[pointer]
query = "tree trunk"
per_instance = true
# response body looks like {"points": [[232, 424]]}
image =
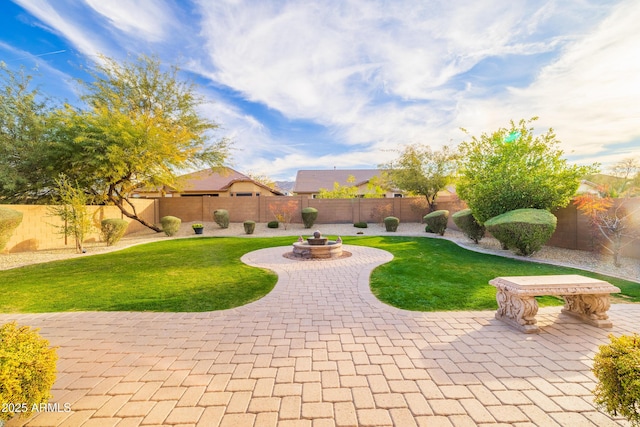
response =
{"points": [[132, 215]]}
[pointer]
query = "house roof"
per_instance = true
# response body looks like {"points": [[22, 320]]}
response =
{"points": [[311, 181], [218, 179]]}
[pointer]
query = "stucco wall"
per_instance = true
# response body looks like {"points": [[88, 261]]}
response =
{"points": [[38, 231]]}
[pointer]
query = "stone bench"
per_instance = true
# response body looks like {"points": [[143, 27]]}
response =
{"points": [[584, 298]]}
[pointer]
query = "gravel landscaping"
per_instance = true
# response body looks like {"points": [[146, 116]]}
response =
{"points": [[629, 270]]}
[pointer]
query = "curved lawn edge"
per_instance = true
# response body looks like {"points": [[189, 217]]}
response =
{"points": [[425, 275], [440, 275]]}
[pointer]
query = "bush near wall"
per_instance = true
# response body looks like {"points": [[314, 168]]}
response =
{"points": [[113, 229], [437, 221], [170, 224], [9, 221], [221, 217], [391, 223], [27, 370], [309, 216], [525, 230], [249, 226], [468, 224]]}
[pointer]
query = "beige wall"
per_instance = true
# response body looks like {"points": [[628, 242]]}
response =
{"points": [[38, 231], [261, 209], [573, 230]]}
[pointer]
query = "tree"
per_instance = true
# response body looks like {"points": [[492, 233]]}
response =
{"points": [[423, 171], [71, 207], [283, 211], [350, 191], [611, 220], [627, 171], [140, 126], [513, 169], [263, 179], [23, 139]]}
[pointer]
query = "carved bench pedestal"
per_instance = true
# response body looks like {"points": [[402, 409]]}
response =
{"points": [[585, 298]]}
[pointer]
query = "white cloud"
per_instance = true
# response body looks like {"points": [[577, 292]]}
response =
{"points": [[589, 95], [150, 19], [376, 74], [84, 40]]}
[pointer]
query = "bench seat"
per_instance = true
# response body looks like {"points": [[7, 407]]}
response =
{"points": [[584, 298]]}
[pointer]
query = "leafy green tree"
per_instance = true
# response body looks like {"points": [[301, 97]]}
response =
{"points": [[423, 171], [24, 112], [140, 127], [513, 169]]}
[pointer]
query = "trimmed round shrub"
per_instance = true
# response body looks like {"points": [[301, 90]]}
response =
{"points": [[249, 226], [468, 224], [437, 221], [27, 370], [360, 224], [9, 220], [309, 216], [113, 229], [273, 224], [525, 230], [170, 225], [221, 217], [617, 369], [391, 223]]}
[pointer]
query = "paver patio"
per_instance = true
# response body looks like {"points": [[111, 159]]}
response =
{"points": [[321, 350]]}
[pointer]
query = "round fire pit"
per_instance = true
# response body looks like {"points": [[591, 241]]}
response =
{"points": [[317, 247]]}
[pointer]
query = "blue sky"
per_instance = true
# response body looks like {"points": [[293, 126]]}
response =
{"points": [[313, 85]]}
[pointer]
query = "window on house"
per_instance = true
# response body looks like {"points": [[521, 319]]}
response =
{"points": [[244, 194]]}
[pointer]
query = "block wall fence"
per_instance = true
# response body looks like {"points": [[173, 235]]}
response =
{"points": [[39, 228], [36, 233]]}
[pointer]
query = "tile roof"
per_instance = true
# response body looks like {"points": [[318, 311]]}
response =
{"points": [[311, 181], [217, 179]]}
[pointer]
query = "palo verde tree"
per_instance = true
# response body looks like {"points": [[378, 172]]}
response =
{"points": [[514, 169], [422, 171], [140, 125], [24, 139], [70, 205], [374, 189]]}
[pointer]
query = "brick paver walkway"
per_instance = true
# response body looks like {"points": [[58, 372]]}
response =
{"points": [[320, 350]]}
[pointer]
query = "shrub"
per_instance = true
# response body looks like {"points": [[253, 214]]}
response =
{"points": [[170, 225], [221, 217], [9, 221], [27, 369], [526, 230], [273, 224], [309, 216], [360, 224], [437, 221], [617, 369], [391, 223], [113, 229], [467, 223], [249, 226]]}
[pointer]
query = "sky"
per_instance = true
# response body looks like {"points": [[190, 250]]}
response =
{"points": [[347, 83]]}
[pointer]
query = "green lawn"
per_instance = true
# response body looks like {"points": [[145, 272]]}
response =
{"points": [[435, 274], [205, 274]]}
